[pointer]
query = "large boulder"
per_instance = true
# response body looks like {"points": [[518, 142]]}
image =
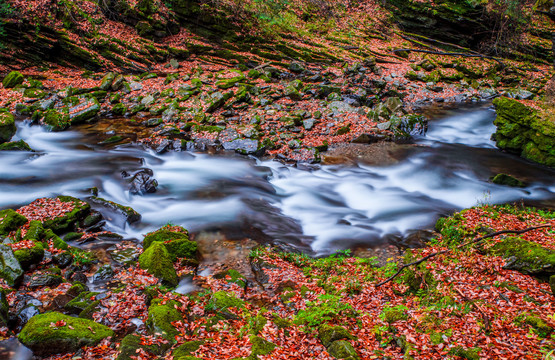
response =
{"points": [[157, 261], [77, 210], [10, 269], [7, 126], [160, 316], [10, 221], [13, 79], [53, 333]]}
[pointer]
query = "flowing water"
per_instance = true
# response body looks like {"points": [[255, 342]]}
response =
{"points": [[320, 209]]}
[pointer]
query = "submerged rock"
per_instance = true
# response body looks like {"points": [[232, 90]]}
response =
{"points": [[53, 333], [508, 180]]}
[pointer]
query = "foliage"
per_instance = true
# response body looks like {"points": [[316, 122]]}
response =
{"points": [[325, 309]]}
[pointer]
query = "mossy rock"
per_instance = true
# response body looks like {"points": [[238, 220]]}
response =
{"points": [[88, 312], [182, 248], [35, 232], [107, 81], [34, 93], [81, 302], [19, 145], [29, 256], [128, 212], [162, 236], [258, 324], [132, 342], [328, 334], [119, 109], [157, 261], [525, 256], [221, 301], [13, 79], [232, 276], [184, 351], [44, 339], [342, 349], [10, 220], [508, 180], [466, 353], [419, 276], [70, 220], [76, 289], [260, 346], [57, 242], [7, 126], [10, 269], [540, 327], [161, 314], [57, 121]]}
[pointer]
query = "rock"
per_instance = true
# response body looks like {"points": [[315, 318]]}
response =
{"points": [[174, 63], [105, 272], [328, 334], [25, 314], [117, 84], [45, 279], [67, 335], [57, 121], [157, 261], [393, 104], [341, 107], [30, 256], [7, 126], [520, 94], [84, 111], [243, 146], [508, 180], [19, 145], [135, 86], [296, 67], [128, 212], [231, 82], [10, 269], [163, 235], [63, 259], [132, 342], [260, 346], [217, 100], [10, 220], [525, 256], [384, 126], [126, 256], [13, 79], [342, 349], [160, 317], [82, 301], [147, 100], [308, 124], [186, 349], [552, 283], [221, 301], [292, 93], [70, 220], [107, 81], [4, 308], [143, 183], [334, 97]]}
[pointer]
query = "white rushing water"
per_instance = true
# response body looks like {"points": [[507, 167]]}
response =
{"points": [[333, 207]]}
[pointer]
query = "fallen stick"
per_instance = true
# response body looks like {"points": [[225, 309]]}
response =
{"points": [[476, 240]]}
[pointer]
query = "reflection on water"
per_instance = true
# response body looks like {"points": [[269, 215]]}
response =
{"points": [[333, 207]]}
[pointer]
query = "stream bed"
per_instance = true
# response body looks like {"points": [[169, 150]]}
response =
{"points": [[318, 209]]}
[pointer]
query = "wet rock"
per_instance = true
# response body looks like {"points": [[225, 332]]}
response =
{"points": [[30, 256], [10, 269], [127, 256], [107, 81], [44, 339], [143, 183], [4, 309], [507, 180], [10, 220], [84, 111], [70, 220], [25, 314], [83, 300], [128, 212], [157, 261], [520, 94], [105, 272], [94, 218], [62, 260], [160, 317], [342, 349], [7, 126], [19, 145], [45, 279]]}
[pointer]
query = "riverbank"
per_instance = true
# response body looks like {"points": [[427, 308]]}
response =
{"points": [[485, 300]]}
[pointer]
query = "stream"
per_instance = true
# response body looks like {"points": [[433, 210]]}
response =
{"points": [[318, 209]]}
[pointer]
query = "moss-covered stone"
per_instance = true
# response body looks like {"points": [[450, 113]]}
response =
{"points": [[34, 93], [157, 261], [119, 109], [130, 214], [76, 289], [35, 232], [540, 327], [342, 349], [260, 346], [525, 256], [68, 334], [7, 126], [508, 180], [10, 269], [162, 236], [222, 300], [70, 220], [107, 81], [232, 276], [56, 120], [19, 145], [161, 314], [10, 220], [132, 342], [182, 248], [328, 334], [466, 353], [29, 256], [184, 351], [81, 302], [13, 79]]}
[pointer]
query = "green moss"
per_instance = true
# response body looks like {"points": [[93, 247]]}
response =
{"points": [[57, 121], [10, 221], [88, 312], [29, 256], [81, 302], [19, 145], [76, 289], [328, 334], [342, 349], [163, 235], [186, 349], [222, 300], [44, 339], [260, 346], [540, 327], [13, 79], [69, 220], [468, 353], [130, 213], [233, 276], [35, 231], [182, 248], [161, 314], [393, 314], [157, 261], [119, 109], [132, 342], [526, 257], [7, 126], [258, 324]]}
